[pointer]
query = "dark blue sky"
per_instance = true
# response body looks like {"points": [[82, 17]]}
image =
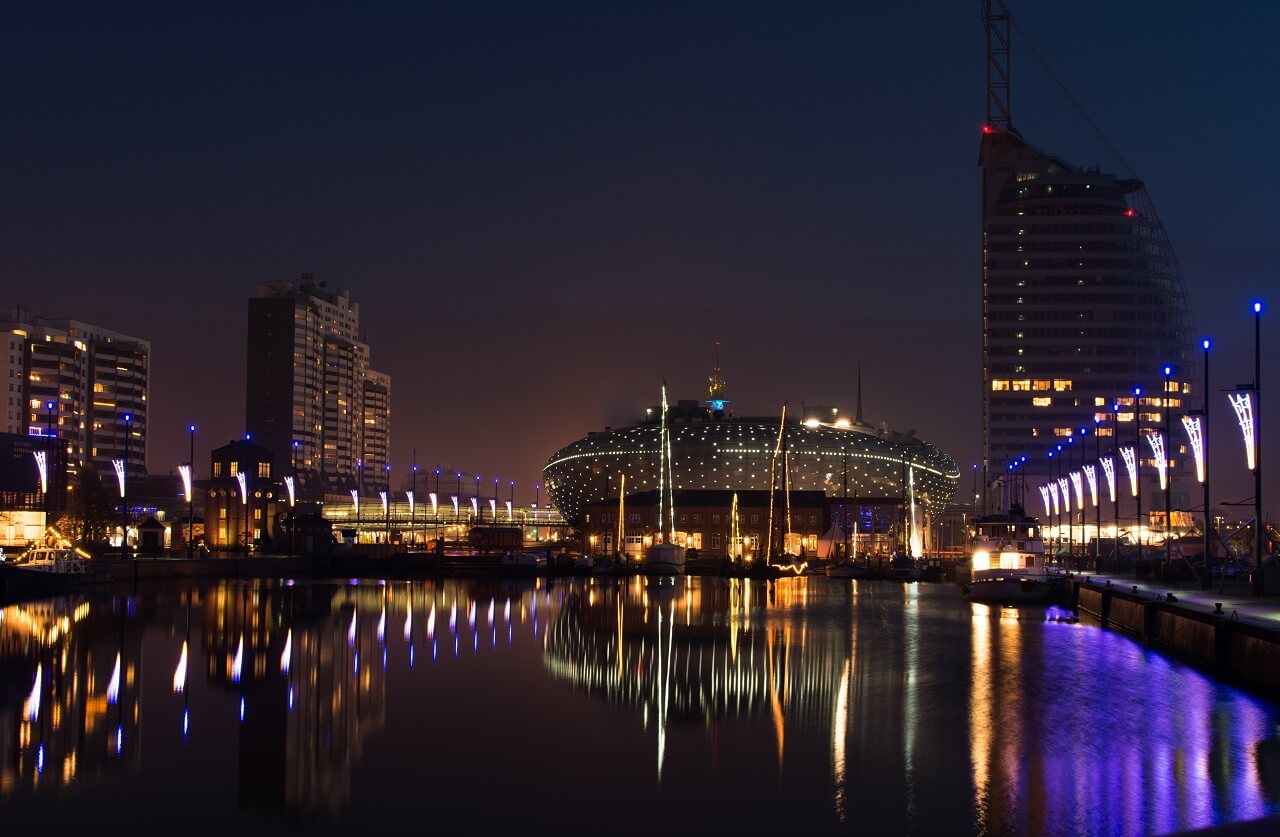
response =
{"points": [[545, 209]]}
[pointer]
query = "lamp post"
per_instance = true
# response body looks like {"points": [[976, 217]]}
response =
{"points": [[414, 491], [124, 487], [457, 506], [537, 497], [51, 467], [1137, 456], [1071, 511], [293, 515], [1168, 480], [1097, 504], [360, 492], [477, 508], [191, 506], [1115, 495], [386, 482], [1205, 580], [1057, 514], [511, 503], [1258, 529]]}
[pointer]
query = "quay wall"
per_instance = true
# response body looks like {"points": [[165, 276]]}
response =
{"points": [[1229, 648]]}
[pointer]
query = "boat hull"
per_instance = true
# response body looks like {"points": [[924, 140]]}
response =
{"points": [[1011, 590], [17, 579], [664, 559]]}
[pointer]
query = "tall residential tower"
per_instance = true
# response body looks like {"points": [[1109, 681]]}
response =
{"points": [[309, 383], [1082, 296]]}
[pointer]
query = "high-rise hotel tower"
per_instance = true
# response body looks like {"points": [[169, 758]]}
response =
{"points": [[309, 383], [1082, 297]]}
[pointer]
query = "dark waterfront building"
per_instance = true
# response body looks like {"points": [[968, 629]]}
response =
{"points": [[713, 450], [704, 521], [243, 500], [309, 381], [1082, 296]]}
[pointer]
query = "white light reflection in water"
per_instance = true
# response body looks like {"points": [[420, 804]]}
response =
{"points": [[180, 673], [408, 621], [237, 664], [351, 629], [113, 685], [382, 626], [286, 656], [31, 707], [431, 622]]}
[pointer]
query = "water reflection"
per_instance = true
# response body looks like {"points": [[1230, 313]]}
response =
{"points": [[834, 705]]}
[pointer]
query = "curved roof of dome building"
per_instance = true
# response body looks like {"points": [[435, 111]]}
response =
{"points": [[711, 450]]}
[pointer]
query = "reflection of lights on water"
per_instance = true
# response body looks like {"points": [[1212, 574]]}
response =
{"points": [[180, 673], [40, 760], [119, 740], [382, 626], [453, 617], [431, 622], [113, 685], [31, 709], [506, 611], [384, 659], [471, 615], [290, 696], [237, 664], [490, 611], [355, 663], [242, 709], [286, 656], [408, 622], [410, 656], [351, 629], [186, 723]]}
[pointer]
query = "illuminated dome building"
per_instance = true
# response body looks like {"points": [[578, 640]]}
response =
{"points": [[714, 450]]}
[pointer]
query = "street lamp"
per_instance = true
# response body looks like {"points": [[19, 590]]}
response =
{"points": [[1137, 453], [1165, 476], [124, 486], [1258, 530], [191, 507]]}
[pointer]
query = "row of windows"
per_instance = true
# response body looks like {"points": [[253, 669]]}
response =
{"points": [[1136, 265], [1063, 229], [1113, 350], [1152, 335], [1085, 299], [1164, 284]]}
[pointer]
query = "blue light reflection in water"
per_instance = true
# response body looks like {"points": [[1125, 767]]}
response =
{"points": [[807, 705]]}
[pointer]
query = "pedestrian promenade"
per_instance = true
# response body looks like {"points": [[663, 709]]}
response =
{"points": [[1236, 597]]}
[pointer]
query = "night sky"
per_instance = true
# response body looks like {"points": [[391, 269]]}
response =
{"points": [[544, 209]]}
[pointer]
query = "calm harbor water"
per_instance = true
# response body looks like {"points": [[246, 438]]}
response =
{"points": [[807, 705]]}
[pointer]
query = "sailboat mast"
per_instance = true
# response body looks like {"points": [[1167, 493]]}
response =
{"points": [[622, 493], [773, 482], [662, 463]]}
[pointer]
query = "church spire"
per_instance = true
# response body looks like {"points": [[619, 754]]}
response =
{"points": [[715, 386]]}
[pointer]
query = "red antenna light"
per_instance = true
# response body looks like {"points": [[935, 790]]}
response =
{"points": [[987, 129], [1129, 213]]}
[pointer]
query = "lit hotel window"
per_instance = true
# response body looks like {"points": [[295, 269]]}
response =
{"points": [[1022, 386], [1062, 431], [1042, 401], [999, 386], [1061, 385]]}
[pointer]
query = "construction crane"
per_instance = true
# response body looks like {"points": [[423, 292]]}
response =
{"points": [[996, 17]]}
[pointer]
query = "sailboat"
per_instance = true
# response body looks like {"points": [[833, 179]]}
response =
{"points": [[665, 557]]}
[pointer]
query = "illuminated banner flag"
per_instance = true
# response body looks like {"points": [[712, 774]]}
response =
{"points": [[455, 505], [1243, 406], [1053, 492], [355, 500], [1077, 484], [1091, 476], [475, 507], [42, 465], [509, 516], [1130, 457], [434, 507], [409, 495], [289, 487], [385, 507], [1162, 462], [185, 472], [1066, 493], [493, 508], [119, 466], [1109, 468], [1044, 493], [1195, 435], [244, 488]]}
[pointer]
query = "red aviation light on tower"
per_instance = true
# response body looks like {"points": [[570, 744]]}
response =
{"points": [[1129, 213], [987, 129]]}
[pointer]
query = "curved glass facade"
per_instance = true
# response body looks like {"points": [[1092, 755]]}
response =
{"points": [[734, 454]]}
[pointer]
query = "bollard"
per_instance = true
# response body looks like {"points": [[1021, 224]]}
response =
{"points": [[1217, 609], [1135, 588], [1169, 597]]}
